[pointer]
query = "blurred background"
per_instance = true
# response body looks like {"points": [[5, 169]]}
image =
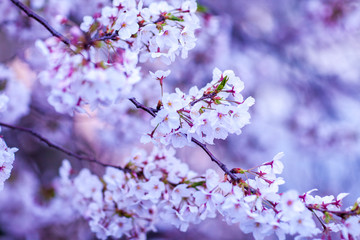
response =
{"points": [[298, 59]]}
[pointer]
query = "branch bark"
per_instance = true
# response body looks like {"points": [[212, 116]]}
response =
{"points": [[41, 20], [341, 214], [150, 111], [113, 36], [208, 96], [59, 148]]}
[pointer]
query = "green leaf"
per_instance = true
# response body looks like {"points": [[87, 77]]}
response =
{"points": [[217, 101], [174, 18], [222, 84], [197, 184], [328, 217], [355, 207], [202, 8]]}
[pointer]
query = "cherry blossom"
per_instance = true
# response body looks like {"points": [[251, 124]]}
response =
{"points": [[104, 53], [204, 114], [7, 158]]}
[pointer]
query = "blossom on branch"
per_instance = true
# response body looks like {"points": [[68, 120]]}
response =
{"points": [[210, 113], [7, 158]]}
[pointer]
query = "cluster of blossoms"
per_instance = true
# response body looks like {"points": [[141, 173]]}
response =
{"points": [[6, 154], [162, 30], [206, 114], [327, 209], [15, 97], [159, 188], [78, 80], [125, 203], [99, 68], [6, 161]]}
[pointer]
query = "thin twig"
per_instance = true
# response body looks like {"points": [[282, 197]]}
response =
{"points": [[341, 214], [214, 159], [112, 36], [320, 220], [59, 148], [201, 145], [151, 111], [41, 20], [207, 96]]}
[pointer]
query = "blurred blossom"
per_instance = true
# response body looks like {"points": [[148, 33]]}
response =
{"points": [[298, 59]]}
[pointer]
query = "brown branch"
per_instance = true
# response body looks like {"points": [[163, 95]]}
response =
{"points": [[41, 20], [341, 214], [319, 219], [59, 148], [112, 36], [205, 96], [152, 112], [214, 159]]}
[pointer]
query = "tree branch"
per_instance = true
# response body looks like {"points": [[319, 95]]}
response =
{"points": [[150, 111], [201, 145], [59, 148], [214, 159], [341, 214], [41, 20], [207, 96], [319, 219], [112, 36]]}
